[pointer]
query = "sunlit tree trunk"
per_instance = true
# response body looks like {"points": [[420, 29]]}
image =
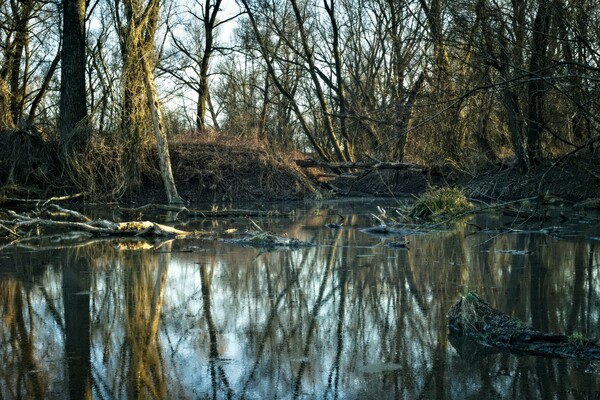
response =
{"points": [[162, 145], [141, 109]]}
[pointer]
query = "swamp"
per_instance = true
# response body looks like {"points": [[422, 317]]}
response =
{"points": [[355, 315], [299, 199]]}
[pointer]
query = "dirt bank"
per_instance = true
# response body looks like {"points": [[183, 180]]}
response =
{"points": [[225, 169], [220, 168], [574, 180]]}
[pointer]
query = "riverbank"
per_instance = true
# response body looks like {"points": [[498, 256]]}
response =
{"points": [[225, 169]]}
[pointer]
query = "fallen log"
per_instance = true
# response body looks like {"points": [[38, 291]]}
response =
{"points": [[472, 316], [18, 222], [361, 165]]}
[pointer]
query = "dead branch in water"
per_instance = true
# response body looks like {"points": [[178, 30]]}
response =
{"points": [[21, 225], [474, 317]]}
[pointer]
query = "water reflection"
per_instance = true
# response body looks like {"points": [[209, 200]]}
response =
{"points": [[77, 323], [350, 318]]}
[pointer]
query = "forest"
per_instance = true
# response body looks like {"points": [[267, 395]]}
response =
{"points": [[105, 97]]}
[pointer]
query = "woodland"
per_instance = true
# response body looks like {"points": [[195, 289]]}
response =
{"points": [[114, 98]]}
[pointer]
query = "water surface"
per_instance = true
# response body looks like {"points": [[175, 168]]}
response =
{"points": [[349, 318]]}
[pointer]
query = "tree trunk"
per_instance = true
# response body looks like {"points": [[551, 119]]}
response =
{"points": [[161, 136], [515, 127], [210, 22], [73, 110], [406, 116], [535, 89], [340, 86], [312, 70]]}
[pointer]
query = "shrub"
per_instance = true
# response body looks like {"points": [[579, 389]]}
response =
{"points": [[440, 203]]}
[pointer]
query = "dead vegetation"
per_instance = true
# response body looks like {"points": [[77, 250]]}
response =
{"points": [[207, 166], [27, 163], [96, 165], [220, 167], [225, 168]]}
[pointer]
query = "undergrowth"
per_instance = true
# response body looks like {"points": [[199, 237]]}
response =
{"points": [[439, 203]]}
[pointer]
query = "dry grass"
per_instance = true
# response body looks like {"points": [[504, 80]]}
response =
{"points": [[440, 203], [219, 167], [96, 166]]}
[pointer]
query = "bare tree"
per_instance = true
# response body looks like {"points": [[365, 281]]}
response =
{"points": [[13, 68], [199, 53], [140, 102]]}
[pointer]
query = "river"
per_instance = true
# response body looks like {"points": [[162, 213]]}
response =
{"points": [[348, 318]]}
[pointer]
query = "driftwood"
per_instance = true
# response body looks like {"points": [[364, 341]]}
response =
{"points": [[16, 224], [474, 317]]}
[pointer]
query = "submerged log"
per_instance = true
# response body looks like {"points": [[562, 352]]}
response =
{"points": [[270, 241], [474, 317]]}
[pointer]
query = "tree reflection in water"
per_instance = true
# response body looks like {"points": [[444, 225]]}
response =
{"points": [[350, 318]]}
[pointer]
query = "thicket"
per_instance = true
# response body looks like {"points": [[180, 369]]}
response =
{"points": [[469, 83]]}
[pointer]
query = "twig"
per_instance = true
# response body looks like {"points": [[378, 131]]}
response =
{"points": [[381, 221], [44, 201], [61, 198], [12, 232], [255, 224], [72, 213]]}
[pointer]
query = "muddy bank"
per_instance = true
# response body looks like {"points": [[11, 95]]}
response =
{"points": [[223, 172], [221, 168], [575, 180]]}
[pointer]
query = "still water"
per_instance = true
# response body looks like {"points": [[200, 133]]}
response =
{"points": [[349, 318]]}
